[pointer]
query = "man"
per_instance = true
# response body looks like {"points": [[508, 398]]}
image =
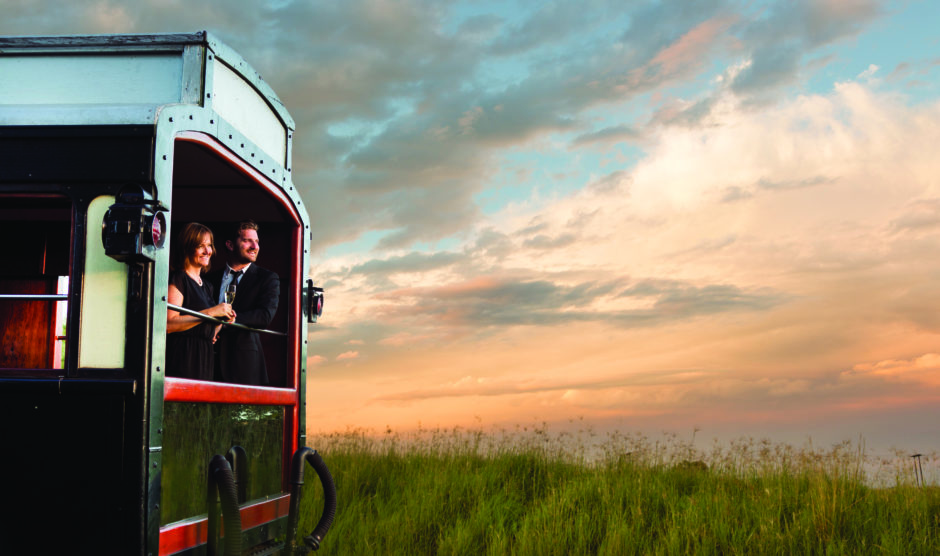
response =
{"points": [[240, 357]]}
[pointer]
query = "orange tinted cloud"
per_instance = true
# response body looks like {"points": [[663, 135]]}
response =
{"points": [[689, 49], [924, 370]]}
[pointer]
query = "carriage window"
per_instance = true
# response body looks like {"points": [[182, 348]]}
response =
{"points": [[34, 282]]}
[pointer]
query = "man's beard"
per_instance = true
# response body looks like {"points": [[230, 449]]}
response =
{"points": [[243, 259]]}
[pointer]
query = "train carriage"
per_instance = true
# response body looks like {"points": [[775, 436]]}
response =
{"points": [[107, 145]]}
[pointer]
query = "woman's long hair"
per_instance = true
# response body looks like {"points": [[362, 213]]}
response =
{"points": [[187, 241]]}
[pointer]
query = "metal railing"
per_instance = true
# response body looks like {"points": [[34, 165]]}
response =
{"points": [[35, 296], [203, 316], [214, 320]]}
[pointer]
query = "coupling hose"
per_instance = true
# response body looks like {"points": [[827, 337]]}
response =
{"points": [[222, 481], [313, 540]]}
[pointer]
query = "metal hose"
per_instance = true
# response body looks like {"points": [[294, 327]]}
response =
{"points": [[221, 481], [313, 540], [238, 459]]}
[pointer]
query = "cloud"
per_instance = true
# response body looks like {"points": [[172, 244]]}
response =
{"points": [[617, 181], [487, 301], [657, 391], [412, 262], [347, 355], [779, 42], [607, 135], [682, 56], [776, 185], [684, 113], [486, 386], [869, 73], [548, 26], [811, 23], [769, 68], [401, 339], [491, 243], [924, 370], [545, 242], [921, 216]]}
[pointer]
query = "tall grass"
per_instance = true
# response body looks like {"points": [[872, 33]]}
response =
{"points": [[531, 492]]}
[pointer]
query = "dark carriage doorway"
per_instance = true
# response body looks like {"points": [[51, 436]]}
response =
{"points": [[214, 188]]}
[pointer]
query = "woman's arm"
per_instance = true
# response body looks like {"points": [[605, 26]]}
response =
{"points": [[177, 322]]}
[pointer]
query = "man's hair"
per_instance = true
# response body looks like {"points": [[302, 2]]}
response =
{"points": [[187, 241], [235, 230]]}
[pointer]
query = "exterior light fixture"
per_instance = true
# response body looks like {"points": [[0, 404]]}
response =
{"points": [[132, 224]]}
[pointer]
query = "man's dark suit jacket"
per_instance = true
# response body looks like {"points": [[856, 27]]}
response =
{"points": [[239, 355]]}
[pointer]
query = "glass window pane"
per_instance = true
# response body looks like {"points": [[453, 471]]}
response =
{"points": [[61, 320], [195, 432]]}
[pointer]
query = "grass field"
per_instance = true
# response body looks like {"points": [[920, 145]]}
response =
{"points": [[531, 492]]}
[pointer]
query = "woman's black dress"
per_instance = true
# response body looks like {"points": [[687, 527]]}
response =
{"points": [[189, 353]]}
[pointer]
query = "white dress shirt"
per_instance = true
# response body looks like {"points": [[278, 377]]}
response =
{"points": [[227, 279]]}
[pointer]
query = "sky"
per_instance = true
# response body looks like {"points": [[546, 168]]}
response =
{"points": [[716, 216]]}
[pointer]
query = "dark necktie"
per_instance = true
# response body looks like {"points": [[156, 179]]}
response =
{"points": [[236, 274]]}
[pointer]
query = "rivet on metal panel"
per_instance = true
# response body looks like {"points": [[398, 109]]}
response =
{"points": [[164, 157], [210, 56], [171, 118], [211, 121], [208, 95], [190, 116], [243, 145], [158, 369]]}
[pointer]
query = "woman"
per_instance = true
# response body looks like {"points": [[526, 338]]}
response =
{"points": [[189, 339]]}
